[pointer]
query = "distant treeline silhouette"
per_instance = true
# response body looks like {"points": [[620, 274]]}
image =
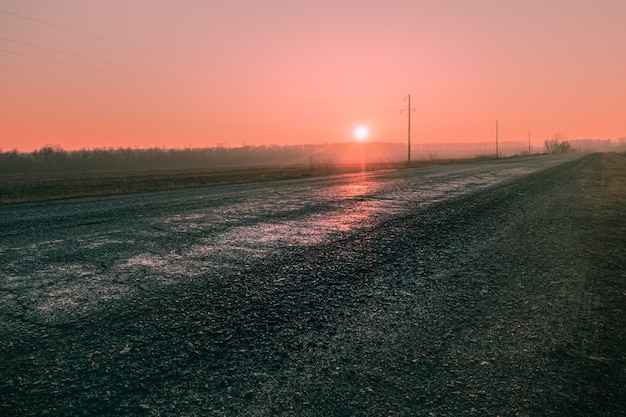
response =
{"points": [[52, 158]]}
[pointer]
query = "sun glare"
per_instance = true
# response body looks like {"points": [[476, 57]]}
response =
{"points": [[361, 133]]}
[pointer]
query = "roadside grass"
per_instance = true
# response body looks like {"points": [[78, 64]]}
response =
{"points": [[603, 230], [30, 187]]}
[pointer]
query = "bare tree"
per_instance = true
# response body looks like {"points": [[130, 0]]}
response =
{"points": [[558, 144]]}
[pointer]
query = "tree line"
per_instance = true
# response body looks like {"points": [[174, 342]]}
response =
{"points": [[53, 158]]}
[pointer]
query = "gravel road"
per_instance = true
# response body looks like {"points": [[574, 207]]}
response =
{"points": [[490, 288]]}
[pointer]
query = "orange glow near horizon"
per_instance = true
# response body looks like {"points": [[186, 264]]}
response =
{"points": [[153, 74]]}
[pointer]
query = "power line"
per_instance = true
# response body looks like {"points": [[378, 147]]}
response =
{"points": [[153, 52], [408, 110], [121, 65], [266, 97], [76, 65], [497, 138], [95, 59], [101, 38]]}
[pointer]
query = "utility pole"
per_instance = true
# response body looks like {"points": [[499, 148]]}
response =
{"points": [[496, 138], [408, 109], [529, 142]]}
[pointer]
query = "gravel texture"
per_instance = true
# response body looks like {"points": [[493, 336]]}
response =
{"points": [[504, 301]]}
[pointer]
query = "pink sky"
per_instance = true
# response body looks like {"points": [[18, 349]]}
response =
{"points": [[143, 73]]}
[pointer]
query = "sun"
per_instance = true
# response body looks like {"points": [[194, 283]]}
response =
{"points": [[361, 133]]}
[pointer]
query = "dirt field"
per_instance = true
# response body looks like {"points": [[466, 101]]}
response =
{"points": [[509, 301], [56, 185]]}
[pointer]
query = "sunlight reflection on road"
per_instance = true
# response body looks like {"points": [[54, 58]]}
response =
{"points": [[341, 208], [267, 223]]}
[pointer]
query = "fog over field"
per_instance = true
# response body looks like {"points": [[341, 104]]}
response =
{"points": [[53, 158]]}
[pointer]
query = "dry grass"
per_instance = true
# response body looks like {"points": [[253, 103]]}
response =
{"points": [[48, 186], [30, 187]]}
